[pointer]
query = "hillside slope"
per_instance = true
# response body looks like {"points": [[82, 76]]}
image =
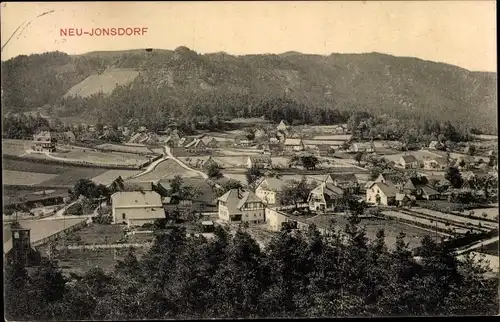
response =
{"points": [[182, 79]]}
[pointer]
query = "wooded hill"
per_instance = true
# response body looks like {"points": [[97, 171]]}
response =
{"points": [[182, 83]]}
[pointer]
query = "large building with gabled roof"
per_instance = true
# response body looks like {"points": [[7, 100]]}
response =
{"points": [[238, 205]]}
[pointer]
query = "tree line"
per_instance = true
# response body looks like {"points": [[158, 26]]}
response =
{"points": [[298, 274]]}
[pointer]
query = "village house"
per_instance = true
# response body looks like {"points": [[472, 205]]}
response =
{"points": [[367, 147], [325, 150], [238, 205], [259, 133], [404, 200], [173, 140], [136, 207], [439, 182], [294, 145], [259, 161], [346, 181], [420, 188], [196, 145], [44, 141], [382, 193], [438, 163], [282, 126], [435, 145], [408, 162], [268, 188], [325, 197], [210, 142]]}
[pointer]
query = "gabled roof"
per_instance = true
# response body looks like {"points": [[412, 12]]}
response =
{"points": [[418, 181], [282, 125], [429, 191], [136, 199], [387, 188], [195, 143], [273, 184], [409, 158], [328, 189], [293, 142], [342, 177], [237, 198]]}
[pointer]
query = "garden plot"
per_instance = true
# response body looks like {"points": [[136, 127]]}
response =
{"points": [[391, 228], [232, 162], [96, 234]]}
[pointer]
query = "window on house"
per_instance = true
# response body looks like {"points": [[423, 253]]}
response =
{"points": [[124, 216]]}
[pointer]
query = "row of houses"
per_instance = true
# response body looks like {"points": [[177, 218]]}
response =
{"points": [[437, 163]]}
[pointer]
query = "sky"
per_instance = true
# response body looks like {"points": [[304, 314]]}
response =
{"points": [[461, 33]]}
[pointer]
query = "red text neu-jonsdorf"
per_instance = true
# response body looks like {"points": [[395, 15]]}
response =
{"points": [[129, 31]]}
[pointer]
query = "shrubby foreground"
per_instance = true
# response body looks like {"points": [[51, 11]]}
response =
{"points": [[297, 274]]}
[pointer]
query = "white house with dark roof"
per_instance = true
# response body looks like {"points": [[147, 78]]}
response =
{"points": [[382, 193], [367, 147], [238, 205], [408, 161], [294, 145], [324, 197], [268, 189], [136, 207]]}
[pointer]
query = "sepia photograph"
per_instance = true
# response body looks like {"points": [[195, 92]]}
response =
{"points": [[249, 159]]}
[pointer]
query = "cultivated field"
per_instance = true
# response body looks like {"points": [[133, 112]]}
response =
{"points": [[25, 178], [15, 147], [108, 177], [232, 162], [91, 156], [32, 166], [167, 169], [128, 148]]}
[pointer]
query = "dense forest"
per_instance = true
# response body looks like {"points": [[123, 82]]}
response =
{"points": [[185, 86], [298, 274]]}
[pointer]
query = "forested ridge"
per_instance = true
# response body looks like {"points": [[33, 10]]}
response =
{"points": [[301, 88], [299, 274]]}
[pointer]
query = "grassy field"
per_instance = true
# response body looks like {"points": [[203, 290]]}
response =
{"points": [[31, 166], [237, 152], [232, 162], [167, 169], [15, 147], [105, 82], [108, 177], [25, 178], [70, 177]]}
